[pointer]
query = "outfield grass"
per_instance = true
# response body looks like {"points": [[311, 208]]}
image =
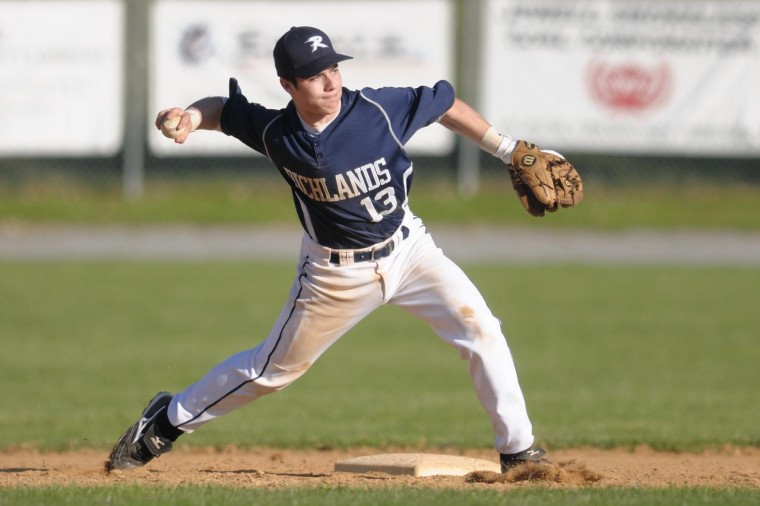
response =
{"points": [[263, 200], [608, 356]]}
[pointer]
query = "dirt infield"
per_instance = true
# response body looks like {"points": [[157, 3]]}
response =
{"points": [[275, 468]]}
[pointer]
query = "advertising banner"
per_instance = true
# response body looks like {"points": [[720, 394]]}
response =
{"points": [[630, 76], [61, 78], [197, 46]]}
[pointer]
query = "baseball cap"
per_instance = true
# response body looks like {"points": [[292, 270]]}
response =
{"points": [[305, 51]]}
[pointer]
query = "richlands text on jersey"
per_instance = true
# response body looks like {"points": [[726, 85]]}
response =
{"points": [[350, 184]]}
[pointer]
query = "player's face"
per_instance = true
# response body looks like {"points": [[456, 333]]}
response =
{"points": [[317, 97]]}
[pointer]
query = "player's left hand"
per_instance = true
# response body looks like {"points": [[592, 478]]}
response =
{"points": [[543, 179]]}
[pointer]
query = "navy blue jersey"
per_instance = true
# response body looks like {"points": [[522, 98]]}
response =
{"points": [[351, 181]]}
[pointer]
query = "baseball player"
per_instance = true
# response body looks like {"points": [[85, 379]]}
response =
{"points": [[342, 153]]}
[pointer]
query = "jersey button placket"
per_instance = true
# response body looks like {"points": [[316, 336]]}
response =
{"points": [[317, 152]]}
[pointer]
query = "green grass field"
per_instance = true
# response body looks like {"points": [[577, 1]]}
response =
{"points": [[660, 356], [640, 355], [657, 355], [197, 496], [217, 200]]}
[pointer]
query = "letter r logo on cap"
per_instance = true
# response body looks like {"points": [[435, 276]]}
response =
{"points": [[316, 42]]}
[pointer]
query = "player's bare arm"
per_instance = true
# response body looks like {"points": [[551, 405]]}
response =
{"points": [[465, 121], [177, 123]]}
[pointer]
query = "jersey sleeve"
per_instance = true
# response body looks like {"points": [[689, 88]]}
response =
{"points": [[246, 121], [410, 109]]}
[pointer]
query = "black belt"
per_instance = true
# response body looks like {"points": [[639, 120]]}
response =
{"points": [[373, 254]]}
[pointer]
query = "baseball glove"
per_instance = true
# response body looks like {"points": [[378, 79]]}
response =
{"points": [[543, 180]]}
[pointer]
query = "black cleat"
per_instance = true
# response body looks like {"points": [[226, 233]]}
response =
{"points": [[144, 441], [535, 455]]}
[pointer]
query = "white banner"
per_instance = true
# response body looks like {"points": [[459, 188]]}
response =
{"points": [[197, 46], [635, 76], [61, 74]]}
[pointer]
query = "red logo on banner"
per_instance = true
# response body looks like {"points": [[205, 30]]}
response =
{"points": [[629, 86]]}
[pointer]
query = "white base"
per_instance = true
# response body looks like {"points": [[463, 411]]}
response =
{"points": [[416, 464]]}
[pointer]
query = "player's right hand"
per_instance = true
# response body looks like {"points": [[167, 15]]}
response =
{"points": [[179, 131]]}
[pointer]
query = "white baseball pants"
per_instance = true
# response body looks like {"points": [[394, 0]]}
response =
{"points": [[326, 300]]}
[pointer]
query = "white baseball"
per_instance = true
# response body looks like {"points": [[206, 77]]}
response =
{"points": [[169, 127]]}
